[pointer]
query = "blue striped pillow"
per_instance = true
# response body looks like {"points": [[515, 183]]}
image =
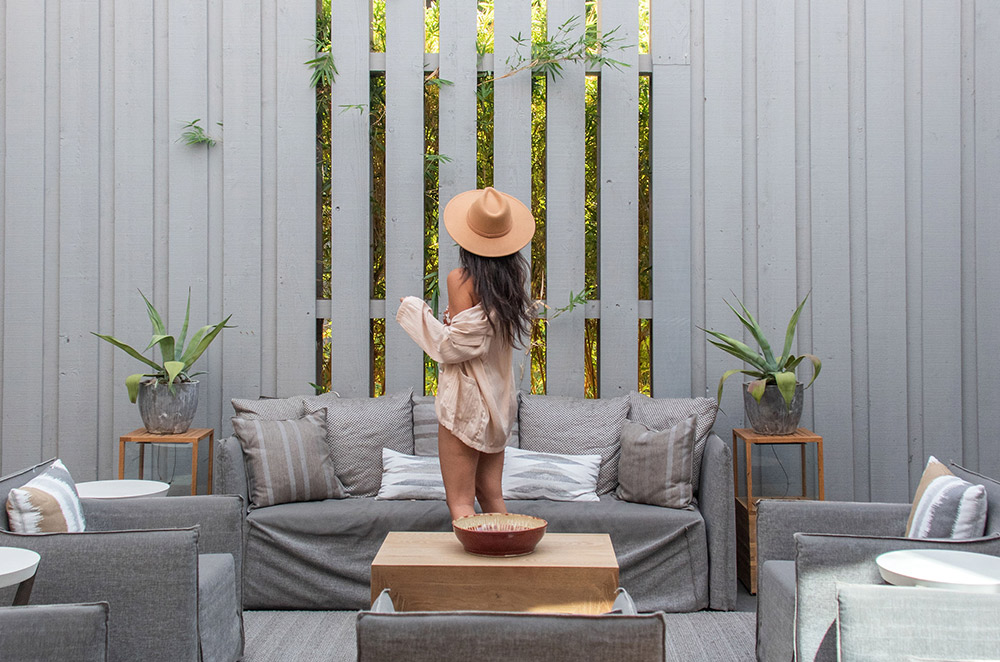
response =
{"points": [[949, 507]]}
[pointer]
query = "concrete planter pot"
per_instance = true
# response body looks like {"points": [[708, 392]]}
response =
{"points": [[771, 415], [164, 412]]}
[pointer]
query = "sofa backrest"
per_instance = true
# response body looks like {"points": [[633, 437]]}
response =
{"points": [[17, 479]]}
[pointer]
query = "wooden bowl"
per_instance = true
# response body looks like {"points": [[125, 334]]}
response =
{"points": [[499, 534]]}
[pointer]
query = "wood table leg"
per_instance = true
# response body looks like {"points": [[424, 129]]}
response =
{"points": [[142, 460], [121, 459], [194, 467], [211, 446]]}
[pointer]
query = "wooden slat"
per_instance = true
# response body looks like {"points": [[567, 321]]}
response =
{"points": [[830, 206], [79, 211], [619, 204], [886, 241], [269, 273], [723, 194], [241, 191], [296, 202], [970, 358], [565, 211], [404, 167], [350, 192], [217, 409], [456, 121], [941, 230], [670, 92], [105, 302], [512, 129], [987, 146], [24, 206], [48, 367]]}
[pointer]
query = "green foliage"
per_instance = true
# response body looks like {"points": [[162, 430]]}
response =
{"points": [[194, 134], [766, 369], [177, 359]]}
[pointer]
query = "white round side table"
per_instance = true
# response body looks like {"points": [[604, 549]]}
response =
{"points": [[17, 566], [121, 489], [941, 568]]}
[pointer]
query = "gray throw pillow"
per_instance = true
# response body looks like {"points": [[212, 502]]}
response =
{"points": [[287, 460], [655, 466], [425, 427], [575, 426], [357, 429], [665, 413], [270, 409]]}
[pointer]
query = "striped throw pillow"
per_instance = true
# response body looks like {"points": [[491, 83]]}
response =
{"points": [[946, 506], [48, 503], [655, 466], [288, 460], [410, 477], [664, 413], [532, 475]]}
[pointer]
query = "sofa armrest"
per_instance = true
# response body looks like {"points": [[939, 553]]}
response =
{"points": [[822, 561], [718, 506], [149, 578], [56, 632], [779, 520], [219, 516], [230, 474]]}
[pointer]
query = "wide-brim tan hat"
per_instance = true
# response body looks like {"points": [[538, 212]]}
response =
{"points": [[489, 223]]}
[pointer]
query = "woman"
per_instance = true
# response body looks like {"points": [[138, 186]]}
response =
{"points": [[488, 313]]}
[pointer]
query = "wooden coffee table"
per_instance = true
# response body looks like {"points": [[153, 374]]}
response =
{"points": [[572, 573]]}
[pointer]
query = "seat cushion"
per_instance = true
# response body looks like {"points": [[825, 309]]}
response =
{"points": [[220, 619], [776, 611]]}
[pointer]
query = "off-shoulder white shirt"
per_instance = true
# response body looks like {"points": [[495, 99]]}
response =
{"points": [[476, 398]]}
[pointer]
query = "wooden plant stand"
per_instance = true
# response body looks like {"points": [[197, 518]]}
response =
{"points": [[192, 436]]}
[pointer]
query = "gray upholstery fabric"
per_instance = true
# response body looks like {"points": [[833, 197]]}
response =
{"points": [[318, 555], [42, 633], [776, 615], [664, 413], [824, 560], [992, 495], [270, 409], [505, 636], [891, 623], [220, 618], [655, 466], [718, 508], [229, 475]]}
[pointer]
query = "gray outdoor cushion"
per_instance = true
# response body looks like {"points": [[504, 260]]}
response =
{"points": [[664, 413], [42, 633], [655, 465], [992, 494], [220, 618], [17, 479], [776, 613], [270, 409]]}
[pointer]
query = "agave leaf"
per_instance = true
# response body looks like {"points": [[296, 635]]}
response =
{"points": [[173, 369], [817, 366], [132, 384], [184, 328], [129, 350], [737, 348], [756, 388], [207, 335], [166, 344], [158, 328], [786, 384], [726, 375], [758, 333], [792, 363], [792, 323]]}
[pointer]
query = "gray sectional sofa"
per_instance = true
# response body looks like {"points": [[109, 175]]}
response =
{"points": [[317, 554]]}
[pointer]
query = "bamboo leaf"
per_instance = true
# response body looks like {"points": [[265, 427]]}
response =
{"points": [[132, 384], [786, 384], [792, 323], [128, 350]]}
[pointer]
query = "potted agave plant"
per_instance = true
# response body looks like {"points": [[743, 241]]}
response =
{"points": [[167, 394], [773, 400]]}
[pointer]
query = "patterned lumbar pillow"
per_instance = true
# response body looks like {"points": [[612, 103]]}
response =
{"points": [[425, 427], [554, 424], [270, 409], [288, 460], [945, 506], [48, 503], [357, 429], [664, 413], [410, 477], [532, 475], [655, 467]]}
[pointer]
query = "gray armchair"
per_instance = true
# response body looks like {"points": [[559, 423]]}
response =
{"points": [[55, 632], [806, 548], [170, 569]]}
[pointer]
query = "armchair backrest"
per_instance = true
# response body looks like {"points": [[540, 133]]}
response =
{"points": [[17, 479], [56, 632], [992, 495]]}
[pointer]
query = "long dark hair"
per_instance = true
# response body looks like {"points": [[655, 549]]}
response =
{"points": [[501, 285]]}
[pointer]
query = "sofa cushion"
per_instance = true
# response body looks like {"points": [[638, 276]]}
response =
{"points": [[575, 426], [287, 460], [357, 429], [945, 506], [48, 503], [220, 618], [410, 477], [992, 486], [425, 427], [531, 475], [664, 413], [655, 466], [270, 409]]}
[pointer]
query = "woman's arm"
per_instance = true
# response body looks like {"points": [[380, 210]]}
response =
{"points": [[461, 341]]}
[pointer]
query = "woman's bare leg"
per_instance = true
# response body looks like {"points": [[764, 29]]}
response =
{"points": [[488, 488], [458, 469]]}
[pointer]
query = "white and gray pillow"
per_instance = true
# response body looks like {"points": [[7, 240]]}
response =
{"points": [[947, 506], [533, 475], [270, 409], [287, 460], [664, 413], [425, 427], [410, 477], [575, 426], [48, 503], [655, 466], [357, 429]]}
